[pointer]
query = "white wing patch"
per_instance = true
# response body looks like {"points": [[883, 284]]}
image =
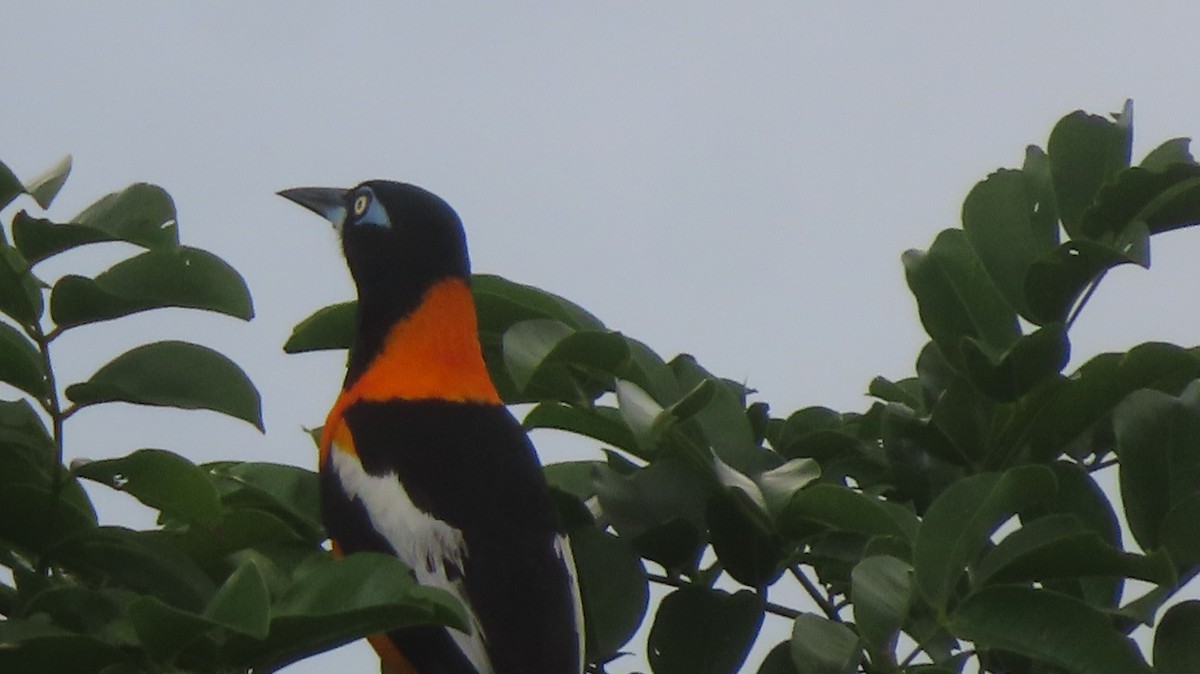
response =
{"points": [[432, 548], [562, 547]]}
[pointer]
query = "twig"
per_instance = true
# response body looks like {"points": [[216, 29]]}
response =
{"points": [[813, 591]]}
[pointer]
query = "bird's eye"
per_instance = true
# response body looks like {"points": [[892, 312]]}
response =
{"points": [[360, 204]]}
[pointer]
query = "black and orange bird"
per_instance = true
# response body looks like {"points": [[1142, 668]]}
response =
{"points": [[419, 458]]}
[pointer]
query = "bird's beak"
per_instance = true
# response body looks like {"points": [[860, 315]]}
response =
{"points": [[327, 202]]}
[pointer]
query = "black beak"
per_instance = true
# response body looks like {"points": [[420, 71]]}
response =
{"points": [[327, 202]]}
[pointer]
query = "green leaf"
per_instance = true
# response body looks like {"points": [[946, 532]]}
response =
{"points": [[780, 485], [1060, 546], [1077, 417], [547, 359], [141, 214], [35, 518], [778, 660], [173, 374], [703, 631], [1085, 152], [598, 422], [960, 520], [1053, 628], [955, 296], [1176, 649], [1000, 220], [10, 186], [501, 303], [1011, 374], [290, 492], [21, 364], [1173, 151], [20, 290], [242, 604], [139, 560], [1158, 443], [330, 327], [336, 601], [45, 187], [1162, 200], [172, 277], [880, 589], [821, 646], [62, 653], [612, 582], [745, 545], [841, 509], [164, 630], [160, 479]]}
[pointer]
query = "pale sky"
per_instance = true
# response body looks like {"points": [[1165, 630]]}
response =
{"points": [[733, 181]]}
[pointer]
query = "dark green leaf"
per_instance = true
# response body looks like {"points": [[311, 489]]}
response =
{"points": [[577, 478], [160, 479], [20, 290], [1085, 152], [999, 218], [330, 327], [138, 560], [21, 364], [1176, 648], [1158, 442], [821, 646], [141, 214], [955, 296], [242, 604], [10, 186], [173, 374], [45, 187], [958, 523], [576, 366], [880, 589], [599, 423], [1173, 151], [665, 491], [171, 277], [502, 303], [164, 630], [612, 582], [1055, 282], [59, 653], [1046, 626], [838, 508], [289, 492], [1162, 200], [35, 518], [720, 416], [749, 551], [1029, 362], [336, 601], [779, 660], [1060, 546], [703, 631]]}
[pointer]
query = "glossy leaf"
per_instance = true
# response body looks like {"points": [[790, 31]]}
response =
{"points": [[502, 303], [665, 493], [1176, 648], [330, 327], [1058, 630], [999, 218], [289, 492], [821, 646], [21, 364], [880, 589], [1158, 443], [1162, 200], [702, 631], [141, 214], [612, 582], [35, 518], [160, 479], [746, 546], [173, 374], [955, 296], [1029, 362], [164, 630], [172, 277], [1085, 152], [45, 186], [547, 359], [958, 523]]}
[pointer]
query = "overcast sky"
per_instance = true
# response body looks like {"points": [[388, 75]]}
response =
{"points": [[734, 180]]}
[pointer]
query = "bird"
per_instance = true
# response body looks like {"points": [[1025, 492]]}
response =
{"points": [[419, 458]]}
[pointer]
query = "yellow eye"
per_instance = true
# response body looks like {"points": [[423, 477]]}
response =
{"points": [[360, 204]]}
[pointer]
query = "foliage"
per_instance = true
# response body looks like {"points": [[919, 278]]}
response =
{"points": [[956, 524]]}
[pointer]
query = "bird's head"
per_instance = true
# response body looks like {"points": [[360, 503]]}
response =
{"points": [[392, 233]]}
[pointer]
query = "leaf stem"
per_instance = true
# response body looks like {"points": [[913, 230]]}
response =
{"points": [[770, 607], [1084, 300], [827, 607], [53, 407]]}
